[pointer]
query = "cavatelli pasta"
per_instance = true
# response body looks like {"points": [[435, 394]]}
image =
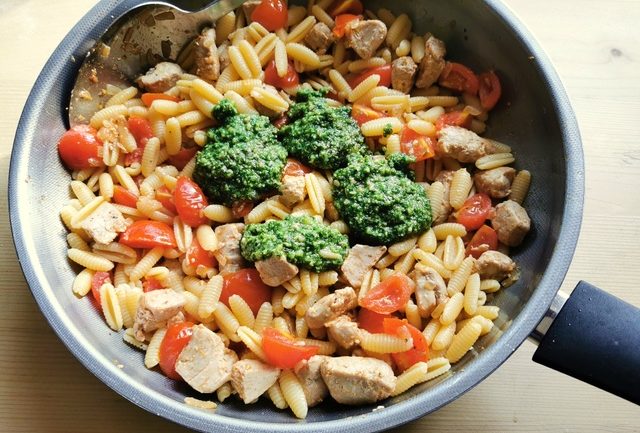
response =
{"points": [[460, 276], [463, 341], [241, 311], [414, 375], [495, 160], [520, 186], [152, 355], [384, 343], [293, 393]]}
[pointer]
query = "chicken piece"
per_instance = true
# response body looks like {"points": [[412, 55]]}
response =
{"points": [[161, 77], [156, 309], [511, 223], [293, 190], [496, 183], [444, 177], [276, 270], [356, 380], [365, 36], [344, 331], [461, 144], [359, 261], [248, 7], [403, 73], [206, 55], [432, 64], [228, 252], [205, 363], [495, 265], [431, 290], [331, 306], [104, 223], [223, 55], [251, 378], [319, 38], [308, 372]]}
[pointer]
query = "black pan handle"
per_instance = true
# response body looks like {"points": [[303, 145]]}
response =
{"points": [[595, 338]]}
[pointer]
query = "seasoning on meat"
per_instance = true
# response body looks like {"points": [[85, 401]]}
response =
{"points": [[431, 289], [252, 378], [360, 260], [161, 77], [104, 223], [444, 177], [357, 380], [495, 265], [461, 144], [511, 223], [432, 63], [331, 306], [275, 270], [403, 73], [344, 331], [365, 36], [319, 38], [228, 252], [293, 190], [206, 55], [308, 372], [156, 309], [496, 183]]}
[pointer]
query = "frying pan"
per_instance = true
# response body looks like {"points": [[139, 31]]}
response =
{"points": [[592, 335]]}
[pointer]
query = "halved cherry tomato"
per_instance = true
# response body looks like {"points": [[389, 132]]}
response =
{"points": [[362, 114], [176, 338], [123, 196], [341, 22], [149, 284], [272, 14], [283, 351], [99, 278], [291, 79], [78, 148], [454, 118], [148, 234], [165, 197], [474, 211], [293, 167], [198, 256], [180, 159], [490, 90], [247, 284], [189, 200], [346, 7], [457, 76], [141, 130], [371, 321], [383, 71], [420, 350], [484, 239], [390, 295], [416, 145], [148, 98], [133, 157], [241, 209]]}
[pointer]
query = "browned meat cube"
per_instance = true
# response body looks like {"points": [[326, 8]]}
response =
{"points": [[276, 270], [403, 73], [511, 222], [331, 306], [495, 265], [445, 210], [365, 36], [155, 310], [104, 223], [431, 289], [344, 331], [161, 77], [356, 380], [308, 372], [251, 378], [293, 190], [228, 252], [496, 183], [359, 261], [319, 38], [461, 144], [206, 55], [432, 63]]}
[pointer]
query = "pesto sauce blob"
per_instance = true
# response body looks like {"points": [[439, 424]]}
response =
{"points": [[242, 159], [379, 200], [320, 135], [302, 240]]}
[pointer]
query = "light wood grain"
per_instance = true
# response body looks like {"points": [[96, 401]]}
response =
{"points": [[595, 46]]}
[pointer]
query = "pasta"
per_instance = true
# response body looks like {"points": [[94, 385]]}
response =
{"points": [[293, 393]]}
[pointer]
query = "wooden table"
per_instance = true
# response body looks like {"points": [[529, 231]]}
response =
{"points": [[595, 46]]}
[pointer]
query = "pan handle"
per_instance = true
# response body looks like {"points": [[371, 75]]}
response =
{"points": [[594, 337]]}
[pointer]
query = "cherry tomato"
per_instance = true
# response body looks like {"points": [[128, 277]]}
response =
{"points": [[165, 197], [78, 148], [420, 350], [150, 284], [484, 239], [272, 14], [247, 284], [180, 159], [346, 7], [291, 79], [371, 321], [490, 90], [283, 351], [416, 145], [341, 23], [362, 114], [454, 118], [390, 295], [99, 278], [141, 130], [133, 157], [474, 211], [190, 200], [383, 71], [198, 256], [148, 234], [176, 338], [148, 98], [293, 167], [241, 209], [458, 77], [123, 196]]}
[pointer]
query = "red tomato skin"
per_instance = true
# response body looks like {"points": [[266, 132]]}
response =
{"points": [[99, 278], [341, 23], [362, 114], [490, 90], [165, 197], [346, 7], [420, 350], [390, 295], [372, 321], [283, 351], [198, 256], [190, 201], [293, 167], [474, 211], [384, 72], [247, 284], [148, 234], [78, 148], [272, 14], [140, 129], [177, 337], [291, 79], [148, 98], [484, 236], [457, 76], [180, 159], [149, 284], [123, 196], [454, 118], [416, 145]]}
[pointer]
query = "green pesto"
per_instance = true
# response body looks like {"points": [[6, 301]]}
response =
{"points": [[379, 200], [300, 239], [242, 159], [387, 130], [320, 135]]}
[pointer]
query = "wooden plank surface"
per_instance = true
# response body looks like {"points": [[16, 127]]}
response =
{"points": [[595, 46]]}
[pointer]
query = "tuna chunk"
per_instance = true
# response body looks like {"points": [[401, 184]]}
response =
{"points": [[293, 190], [511, 222], [228, 252], [161, 77], [205, 363], [495, 265], [365, 36], [155, 309], [359, 261], [432, 63], [251, 378], [331, 306], [276, 270], [206, 55], [319, 38], [431, 289], [356, 380], [461, 144], [495, 183], [403, 73], [104, 223], [308, 372], [344, 332], [248, 7], [445, 210]]}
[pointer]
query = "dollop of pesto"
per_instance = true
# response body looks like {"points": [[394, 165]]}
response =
{"points": [[379, 200], [302, 240], [242, 159], [320, 135]]}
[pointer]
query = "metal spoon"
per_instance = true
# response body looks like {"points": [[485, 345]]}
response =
{"points": [[147, 34]]}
